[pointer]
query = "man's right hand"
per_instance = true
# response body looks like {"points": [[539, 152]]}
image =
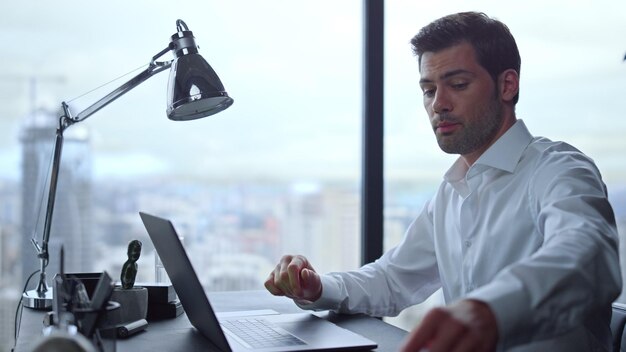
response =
{"points": [[295, 278]]}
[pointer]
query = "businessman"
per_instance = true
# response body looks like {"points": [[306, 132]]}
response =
{"points": [[520, 235]]}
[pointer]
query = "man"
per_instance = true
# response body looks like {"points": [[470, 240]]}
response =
{"points": [[520, 235]]}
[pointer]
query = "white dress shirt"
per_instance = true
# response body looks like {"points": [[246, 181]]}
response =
{"points": [[527, 229]]}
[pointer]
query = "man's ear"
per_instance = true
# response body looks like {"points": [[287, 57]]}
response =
{"points": [[508, 85]]}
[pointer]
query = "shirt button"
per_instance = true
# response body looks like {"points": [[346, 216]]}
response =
{"points": [[468, 244]]}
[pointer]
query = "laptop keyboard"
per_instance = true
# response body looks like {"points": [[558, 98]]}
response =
{"points": [[259, 333]]}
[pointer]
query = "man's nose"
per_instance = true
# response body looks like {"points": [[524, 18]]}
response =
{"points": [[441, 102]]}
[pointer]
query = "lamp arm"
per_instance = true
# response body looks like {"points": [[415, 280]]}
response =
{"points": [[64, 122], [42, 252], [54, 178], [153, 68]]}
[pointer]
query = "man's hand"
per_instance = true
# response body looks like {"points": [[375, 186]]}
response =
{"points": [[295, 278], [467, 325]]}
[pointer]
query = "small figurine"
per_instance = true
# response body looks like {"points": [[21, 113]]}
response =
{"points": [[129, 270]]}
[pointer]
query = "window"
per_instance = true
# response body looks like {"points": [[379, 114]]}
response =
{"points": [[276, 173]]}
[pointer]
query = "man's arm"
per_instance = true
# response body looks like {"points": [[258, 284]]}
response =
{"points": [[571, 280], [403, 276]]}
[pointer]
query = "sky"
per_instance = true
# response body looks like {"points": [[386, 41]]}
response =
{"points": [[294, 69]]}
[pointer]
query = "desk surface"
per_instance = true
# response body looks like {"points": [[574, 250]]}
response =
{"points": [[178, 334]]}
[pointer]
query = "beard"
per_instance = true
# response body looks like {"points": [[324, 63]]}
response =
{"points": [[476, 132]]}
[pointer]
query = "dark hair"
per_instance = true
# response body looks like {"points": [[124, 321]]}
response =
{"points": [[491, 39]]}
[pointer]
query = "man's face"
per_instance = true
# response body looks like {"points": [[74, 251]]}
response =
{"points": [[461, 100]]}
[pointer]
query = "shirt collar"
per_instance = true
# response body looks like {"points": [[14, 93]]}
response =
{"points": [[504, 154]]}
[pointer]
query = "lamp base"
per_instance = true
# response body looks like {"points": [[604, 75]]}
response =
{"points": [[35, 300]]}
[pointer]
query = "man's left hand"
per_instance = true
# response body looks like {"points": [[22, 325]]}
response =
{"points": [[467, 325]]}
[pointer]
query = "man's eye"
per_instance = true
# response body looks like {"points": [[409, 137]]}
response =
{"points": [[460, 86], [428, 92]]}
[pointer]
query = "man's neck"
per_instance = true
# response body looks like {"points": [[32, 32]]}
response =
{"points": [[471, 157]]}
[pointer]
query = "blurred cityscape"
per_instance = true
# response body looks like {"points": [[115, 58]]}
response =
{"points": [[234, 232]]}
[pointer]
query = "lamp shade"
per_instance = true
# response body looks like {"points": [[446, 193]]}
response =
{"points": [[194, 89]]}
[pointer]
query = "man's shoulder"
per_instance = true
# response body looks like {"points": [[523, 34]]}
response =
{"points": [[542, 149], [543, 144], [548, 161]]}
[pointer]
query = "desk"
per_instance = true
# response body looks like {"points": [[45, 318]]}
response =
{"points": [[178, 334]]}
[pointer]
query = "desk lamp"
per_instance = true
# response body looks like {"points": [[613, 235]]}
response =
{"points": [[194, 91]]}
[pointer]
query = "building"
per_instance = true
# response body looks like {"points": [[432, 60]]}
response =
{"points": [[71, 221]]}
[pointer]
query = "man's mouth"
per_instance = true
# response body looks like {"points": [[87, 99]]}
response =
{"points": [[447, 127]]}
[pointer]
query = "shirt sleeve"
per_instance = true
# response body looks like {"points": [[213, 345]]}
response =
{"points": [[575, 274], [403, 276]]}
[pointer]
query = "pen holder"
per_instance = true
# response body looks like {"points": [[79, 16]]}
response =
{"points": [[134, 304], [96, 325]]}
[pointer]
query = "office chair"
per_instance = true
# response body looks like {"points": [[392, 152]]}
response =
{"points": [[618, 322]]}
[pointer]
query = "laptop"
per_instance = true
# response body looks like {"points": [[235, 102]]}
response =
{"points": [[232, 332]]}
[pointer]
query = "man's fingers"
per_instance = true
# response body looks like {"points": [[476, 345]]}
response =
{"points": [[449, 335], [271, 287], [470, 343], [464, 326], [420, 337], [287, 276], [306, 276], [293, 270], [295, 278], [281, 276]]}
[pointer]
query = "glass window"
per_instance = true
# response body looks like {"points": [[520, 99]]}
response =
{"points": [[573, 81], [278, 172]]}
